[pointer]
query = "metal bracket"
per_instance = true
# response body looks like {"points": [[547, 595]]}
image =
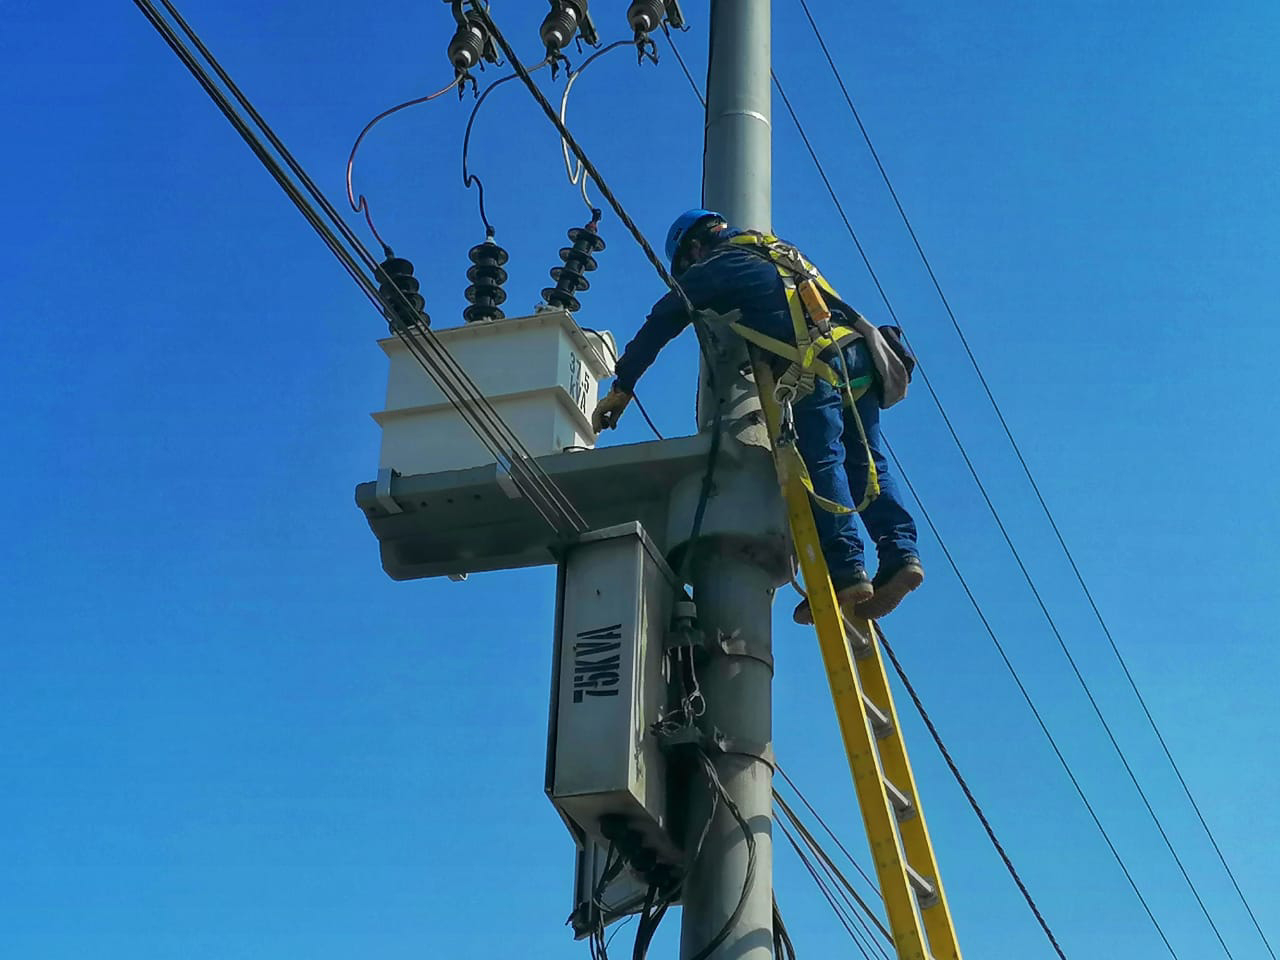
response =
{"points": [[731, 646], [717, 742], [382, 492], [745, 748], [507, 483]]}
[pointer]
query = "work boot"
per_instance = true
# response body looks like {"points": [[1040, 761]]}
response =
{"points": [[851, 589], [890, 586]]}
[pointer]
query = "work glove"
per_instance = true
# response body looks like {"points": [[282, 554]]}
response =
{"points": [[609, 409]]}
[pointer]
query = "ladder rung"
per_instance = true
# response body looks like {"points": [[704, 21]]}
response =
{"points": [[881, 725], [902, 804], [859, 642], [926, 890]]}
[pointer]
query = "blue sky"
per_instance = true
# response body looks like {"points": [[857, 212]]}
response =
{"points": [[225, 734]]}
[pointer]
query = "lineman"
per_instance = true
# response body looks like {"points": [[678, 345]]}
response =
{"points": [[859, 371]]}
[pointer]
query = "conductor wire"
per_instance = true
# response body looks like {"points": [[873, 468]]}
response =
{"points": [[361, 205], [578, 177], [470, 179]]}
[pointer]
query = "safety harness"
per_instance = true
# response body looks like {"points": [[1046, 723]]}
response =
{"points": [[818, 351]]}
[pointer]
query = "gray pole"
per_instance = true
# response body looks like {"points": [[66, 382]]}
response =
{"points": [[732, 589]]}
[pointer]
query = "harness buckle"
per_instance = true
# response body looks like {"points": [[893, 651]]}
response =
{"points": [[783, 394]]}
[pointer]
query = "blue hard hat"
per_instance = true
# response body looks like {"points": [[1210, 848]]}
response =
{"points": [[684, 223]]}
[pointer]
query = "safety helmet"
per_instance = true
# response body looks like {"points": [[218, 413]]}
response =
{"points": [[684, 225]]}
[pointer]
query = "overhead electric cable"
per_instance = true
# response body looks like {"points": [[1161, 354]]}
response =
{"points": [[621, 213], [577, 177], [362, 205], [968, 793], [1026, 695], [456, 385], [826, 892], [684, 67], [1026, 468], [1026, 573], [831, 833], [704, 496], [470, 179], [858, 906], [512, 455]]}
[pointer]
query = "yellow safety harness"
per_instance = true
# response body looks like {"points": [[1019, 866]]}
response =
{"points": [[816, 337]]}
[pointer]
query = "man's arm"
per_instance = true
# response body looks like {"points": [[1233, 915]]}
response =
{"points": [[665, 322]]}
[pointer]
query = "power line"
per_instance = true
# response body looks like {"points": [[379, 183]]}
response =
{"points": [[835, 70], [852, 898], [493, 432], [1026, 695], [977, 809], [1014, 550], [362, 205], [968, 793]]}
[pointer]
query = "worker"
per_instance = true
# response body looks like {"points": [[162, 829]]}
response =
{"points": [[721, 270]]}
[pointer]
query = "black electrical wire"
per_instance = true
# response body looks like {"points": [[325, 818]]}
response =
{"points": [[470, 179], [515, 456], [492, 431], [693, 84], [439, 371], [826, 893], [362, 205], [1026, 695], [577, 177], [523, 72], [783, 948], [1124, 666], [717, 422], [964, 786], [1009, 541], [831, 833], [714, 778], [634, 398], [858, 907]]}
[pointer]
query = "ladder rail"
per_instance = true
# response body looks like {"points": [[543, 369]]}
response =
{"points": [[855, 729], [914, 831], [900, 848]]}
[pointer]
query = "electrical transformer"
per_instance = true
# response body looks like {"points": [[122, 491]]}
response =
{"points": [[605, 772]]}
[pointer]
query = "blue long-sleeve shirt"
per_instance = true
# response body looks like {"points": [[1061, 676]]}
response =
{"points": [[732, 278]]}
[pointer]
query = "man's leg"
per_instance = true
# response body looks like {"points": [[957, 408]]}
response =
{"points": [[886, 518], [819, 420]]}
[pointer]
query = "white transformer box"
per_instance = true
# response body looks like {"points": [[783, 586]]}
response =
{"points": [[540, 372]]}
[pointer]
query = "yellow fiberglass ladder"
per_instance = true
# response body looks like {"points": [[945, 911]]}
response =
{"points": [[919, 917]]}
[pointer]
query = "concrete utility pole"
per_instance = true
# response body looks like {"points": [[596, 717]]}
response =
{"points": [[731, 586]]}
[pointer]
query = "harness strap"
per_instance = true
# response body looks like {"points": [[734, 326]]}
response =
{"points": [[815, 335]]}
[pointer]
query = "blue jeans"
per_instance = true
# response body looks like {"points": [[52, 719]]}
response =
{"points": [[828, 441]]}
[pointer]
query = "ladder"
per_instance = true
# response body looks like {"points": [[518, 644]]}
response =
{"points": [[919, 917]]}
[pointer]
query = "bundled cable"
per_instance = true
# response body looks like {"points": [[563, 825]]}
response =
{"points": [[494, 433]]}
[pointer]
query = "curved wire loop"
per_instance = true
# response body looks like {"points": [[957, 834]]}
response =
{"points": [[578, 177], [469, 178], [362, 204]]}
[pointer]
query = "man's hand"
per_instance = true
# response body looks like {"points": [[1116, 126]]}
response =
{"points": [[609, 409]]}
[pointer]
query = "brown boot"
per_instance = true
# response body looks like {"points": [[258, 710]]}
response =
{"points": [[851, 590], [890, 587]]}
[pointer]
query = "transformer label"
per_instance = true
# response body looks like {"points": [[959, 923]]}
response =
{"points": [[579, 382], [597, 662]]}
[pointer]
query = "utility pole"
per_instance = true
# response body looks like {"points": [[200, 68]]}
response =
{"points": [[733, 589]]}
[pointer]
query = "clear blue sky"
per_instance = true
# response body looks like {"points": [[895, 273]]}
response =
{"points": [[225, 734]]}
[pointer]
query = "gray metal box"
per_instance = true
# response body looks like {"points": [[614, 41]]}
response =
{"points": [[609, 686]]}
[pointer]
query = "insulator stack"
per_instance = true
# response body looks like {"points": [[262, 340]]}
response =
{"points": [[397, 275], [487, 277], [466, 49], [566, 18], [578, 261], [645, 16]]}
